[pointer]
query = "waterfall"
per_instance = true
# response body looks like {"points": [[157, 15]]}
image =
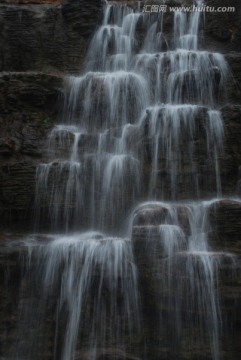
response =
{"points": [[130, 86], [186, 270], [98, 286], [142, 121]]}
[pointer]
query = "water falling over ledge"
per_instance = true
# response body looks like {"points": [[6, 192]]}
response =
{"points": [[134, 124], [98, 288]]}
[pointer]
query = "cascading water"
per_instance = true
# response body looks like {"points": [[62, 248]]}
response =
{"points": [[137, 91], [126, 89], [187, 271], [95, 280]]}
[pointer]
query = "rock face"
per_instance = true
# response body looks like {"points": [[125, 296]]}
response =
{"points": [[46, 37], [222, 30], [28, 109], [38, 42], [10, 268]]}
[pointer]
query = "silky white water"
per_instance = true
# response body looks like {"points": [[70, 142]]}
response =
{"points": [[132, 89], [94, 280], [187, 271], [136, 124]]}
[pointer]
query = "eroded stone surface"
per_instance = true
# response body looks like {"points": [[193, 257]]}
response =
{"points": [[28, 108], [46, 37]]}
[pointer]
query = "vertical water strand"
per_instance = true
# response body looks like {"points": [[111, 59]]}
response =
{"points": [[186, 28], [185, 273], [74, 189], [173, 242], [203, 273], [58, 184], [167, 126], [96, 274], [215, 136]]}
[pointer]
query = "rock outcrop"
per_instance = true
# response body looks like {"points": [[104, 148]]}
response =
{"points": [[29, 108], [45, 36], [160, 299], [223, 29]]}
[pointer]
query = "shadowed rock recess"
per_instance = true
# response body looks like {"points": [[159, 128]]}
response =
{"points": [[120, 181]]}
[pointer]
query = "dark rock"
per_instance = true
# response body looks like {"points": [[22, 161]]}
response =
{"points": [[234, 82], [5, 147], [29, 91], [10, 283], [225, 218], [46, 37], [87, 143], [223, 29], [28, 108], [151, 214], [231, 159]]}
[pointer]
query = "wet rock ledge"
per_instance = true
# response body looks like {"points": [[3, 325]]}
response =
{"points": [[161, 296], [41, 41]]}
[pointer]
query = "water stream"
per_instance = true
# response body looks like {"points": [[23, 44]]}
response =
{"points": [[139, 90]]}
